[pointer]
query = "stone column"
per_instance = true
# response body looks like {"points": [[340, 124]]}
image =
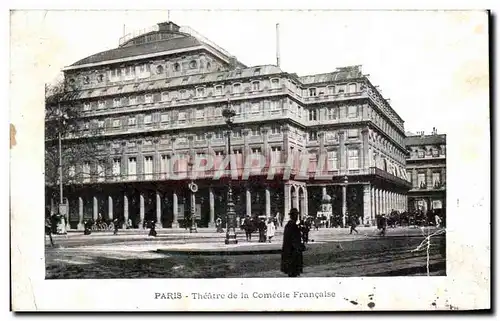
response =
{"points": [[141, 210], [211, 201], [287, 199], [125, 211], [367, 204], [80, 213], [295, 198], [96, 208], [302, 202], [373, 209], [377, 201], [268, 202], [175, 209], [344, 204], [158, 210], [248, 202], [110, 208]]}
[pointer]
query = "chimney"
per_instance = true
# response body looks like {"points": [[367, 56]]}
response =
{"points": [[168, 26]]}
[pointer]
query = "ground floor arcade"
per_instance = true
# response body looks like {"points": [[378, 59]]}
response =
{"points": [[168, 203]]}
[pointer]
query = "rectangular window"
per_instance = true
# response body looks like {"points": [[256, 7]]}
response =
{"points": [[312, 92], [255, 132], [148, 99], [219, 134], [181, 117], [132, 168], [313, 136], [132, 100], [352, 88], [256, 150], [86, 171], [200, 113], [352, 111], [101, 104], [275, 130], [219, 153], [200, 136], [274, 105], [86, 106], [148, 167], [200, 92], [100, 123], [313, 115], [148, 119], [237, 151], [71, 171], [276, 154], [116, 123], [236, 88], [436, 179], [116, 167], [332, 113], [353, 157], [164, 96], [421, 180], [333, 159], [101, 171], [255, 108], [131, 121], [435, 152], [164, 165], [237, 133], [164, 118], [331, 90], [256, 86], [117, 102], [218, 90], [421, 154], [352, 133]]}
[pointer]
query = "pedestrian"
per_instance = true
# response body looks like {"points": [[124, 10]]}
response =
{"points": [[271, 229], [291, 252], [152, 231], [304, 229], [87, 228], [353, 224], [48, 230], [438, 220], [115, 225], [218, 225], [383, 224], [247, 226], [261, 225]]}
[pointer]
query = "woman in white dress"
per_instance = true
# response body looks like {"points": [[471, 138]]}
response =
{"points": [[271, 229]]}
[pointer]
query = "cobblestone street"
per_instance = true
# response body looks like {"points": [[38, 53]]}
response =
{"points": [[332, 252]]}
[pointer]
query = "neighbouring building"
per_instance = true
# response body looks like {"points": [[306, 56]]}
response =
{"points": [[426, 167], [159, 96]]}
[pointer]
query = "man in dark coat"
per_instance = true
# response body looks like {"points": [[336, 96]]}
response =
{"points": [[291, 252]]}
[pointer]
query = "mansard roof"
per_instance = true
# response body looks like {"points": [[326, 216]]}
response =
{"points": [[344, 73], [419, 140]]}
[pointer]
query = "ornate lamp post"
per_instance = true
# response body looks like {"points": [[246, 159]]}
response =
{"points": [[228, 113], [193, 187]]}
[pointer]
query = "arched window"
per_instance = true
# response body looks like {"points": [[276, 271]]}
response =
{"points": [[177, 67], [159, 69]]}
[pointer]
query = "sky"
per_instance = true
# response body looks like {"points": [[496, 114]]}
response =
{"points": [[431, 64]]}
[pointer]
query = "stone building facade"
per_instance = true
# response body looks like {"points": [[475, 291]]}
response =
{"points": [[426, 166], [156, 101]]}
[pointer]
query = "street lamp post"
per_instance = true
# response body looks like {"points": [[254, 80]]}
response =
{"points": [[228, 113], [344, 201], [193, 187]]}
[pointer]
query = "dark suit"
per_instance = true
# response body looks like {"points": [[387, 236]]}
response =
{"points": [[291, 252]]}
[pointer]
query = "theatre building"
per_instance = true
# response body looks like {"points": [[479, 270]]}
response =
{"points": [[159, 97], [426, 166]]}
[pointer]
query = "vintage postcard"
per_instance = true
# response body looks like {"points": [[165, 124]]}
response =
{"points": [[197, 160]]}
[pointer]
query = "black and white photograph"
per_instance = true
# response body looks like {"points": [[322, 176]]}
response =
{"points": [[219, 145]]}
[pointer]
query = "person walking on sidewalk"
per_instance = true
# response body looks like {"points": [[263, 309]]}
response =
{"points": [[271, 229], [48, 230], [291, 253], [115, 225], [353, 224]]}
